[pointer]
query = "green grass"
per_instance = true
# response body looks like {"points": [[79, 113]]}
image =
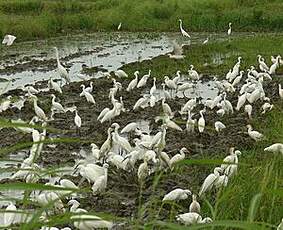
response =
{"points": [[31, 19], [246, 47]]}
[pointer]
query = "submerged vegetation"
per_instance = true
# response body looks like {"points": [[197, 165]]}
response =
{"points": [[31, 19]]}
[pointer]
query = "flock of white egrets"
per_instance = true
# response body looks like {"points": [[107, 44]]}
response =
{"points": [[148, 154]]}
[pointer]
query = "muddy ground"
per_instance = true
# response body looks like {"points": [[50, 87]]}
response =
{"points": [[121, 198]]}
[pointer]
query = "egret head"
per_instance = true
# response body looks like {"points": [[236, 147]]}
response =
{"points": [[207, 220], [230, 23], [184, 150], [249, 126], [94, 146], [115, 125], [105, 165], [73, 202], [238, 152]]}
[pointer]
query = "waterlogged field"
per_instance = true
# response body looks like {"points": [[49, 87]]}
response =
{"points": [[30, 19], [80, 165]]}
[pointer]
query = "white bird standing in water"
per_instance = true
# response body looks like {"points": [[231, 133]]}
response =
{"points": [[177, 52], [184, 33], [229, 32], [61, 70], [8, 40]]}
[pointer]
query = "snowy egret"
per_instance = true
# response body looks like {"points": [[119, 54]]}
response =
{"points": [[255, 135], [9, 39], [61, 70], [230, 29], [194, 206], [177, 194], [209, 181], [184, 33]]}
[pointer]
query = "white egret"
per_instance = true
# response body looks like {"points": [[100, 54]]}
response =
{"points": [[153, 88], [266, 107], [10, 216], [262, 65], [178, 157], [9, 39], [75, 207], [241, 101], [193, 74], [166, 108], [194, 206], [190, 124], [119, 26], [192, 218], [56, 105], [129, 127], [275, 148], [78, 120], [90, 222], [120, 73], [119, 140], [170, 83], [280, 90], [219, 126], [100, 183], [38, 111], [143, 170], [144, 79], [102, 113], [248, 110], [201, 122], [61, 70], [133, 82], [106, 146], [184, 33], [229, 32], [54, 85], [209, 181], [177, 53], [87, 95], [177, 194], [255, 135]]}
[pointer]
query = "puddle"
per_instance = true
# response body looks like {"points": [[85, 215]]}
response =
{"points": [[30, 62]]}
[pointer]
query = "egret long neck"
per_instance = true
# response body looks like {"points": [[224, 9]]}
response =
{"points": [[57, 56]]}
